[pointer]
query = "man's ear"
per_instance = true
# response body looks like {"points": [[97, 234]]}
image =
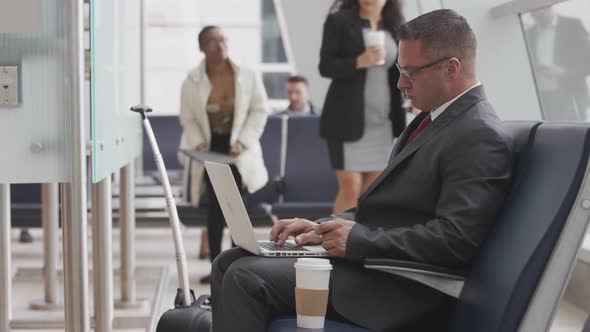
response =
{"points": [[453, 68]]}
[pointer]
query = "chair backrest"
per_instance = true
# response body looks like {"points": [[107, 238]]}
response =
{"points": [[25, 193], [25, 203], [504, 276], [167, 130], [309, 177], [270, 142]]}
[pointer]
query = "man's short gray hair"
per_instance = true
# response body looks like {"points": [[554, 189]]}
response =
{"points": [[444, 33]]}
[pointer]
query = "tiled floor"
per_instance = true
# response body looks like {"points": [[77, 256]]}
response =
{"points": [[154, 251], [569, 318]]}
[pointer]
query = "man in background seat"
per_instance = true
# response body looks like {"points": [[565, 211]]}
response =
{"points": [[298, 94]]}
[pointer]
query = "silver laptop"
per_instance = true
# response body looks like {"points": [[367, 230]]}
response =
{"points": [[238, 221]]}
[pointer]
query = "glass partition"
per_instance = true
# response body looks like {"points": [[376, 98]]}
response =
{"points": [[34, 97], [559, 49], [115, 75]]}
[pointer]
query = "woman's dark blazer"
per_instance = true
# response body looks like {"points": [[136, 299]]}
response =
{"points": [[343, 117]]}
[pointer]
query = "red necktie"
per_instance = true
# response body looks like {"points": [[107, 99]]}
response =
{"points": [[421, 127]]}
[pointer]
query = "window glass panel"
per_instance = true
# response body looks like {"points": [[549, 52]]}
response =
{"points": [[272, 43], [274, 83], [559, 48]]}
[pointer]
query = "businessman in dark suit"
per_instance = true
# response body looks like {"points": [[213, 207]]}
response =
{"points": [[560, 49], [435, 202]]}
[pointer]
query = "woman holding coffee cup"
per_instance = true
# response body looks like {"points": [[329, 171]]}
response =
{"points": [[363, 111]]}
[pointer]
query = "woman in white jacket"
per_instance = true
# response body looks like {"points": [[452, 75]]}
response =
{"points": [[223, 109]]}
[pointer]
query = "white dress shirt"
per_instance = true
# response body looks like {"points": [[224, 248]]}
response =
{"points": [[438, 111]]}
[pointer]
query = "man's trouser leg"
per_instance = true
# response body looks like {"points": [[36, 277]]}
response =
{"points": [[248, 290]]}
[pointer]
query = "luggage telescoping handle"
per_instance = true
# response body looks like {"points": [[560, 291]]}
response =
{"points": [[170, 206]]}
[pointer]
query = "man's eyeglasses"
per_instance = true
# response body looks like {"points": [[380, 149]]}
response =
{"points": [[409, 72]]}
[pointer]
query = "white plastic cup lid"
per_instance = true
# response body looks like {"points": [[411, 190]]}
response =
{"points": [[313, 263]]}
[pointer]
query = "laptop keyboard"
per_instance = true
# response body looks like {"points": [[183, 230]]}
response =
{"points": [[288, 246]]}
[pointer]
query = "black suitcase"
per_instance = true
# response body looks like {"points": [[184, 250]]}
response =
{"points": [[188, 314]]}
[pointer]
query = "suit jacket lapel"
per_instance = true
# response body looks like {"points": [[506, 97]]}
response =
{"points": [[401, 140], [455, 109], [356, 31]]}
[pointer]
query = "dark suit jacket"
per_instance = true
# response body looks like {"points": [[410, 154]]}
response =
{"points": [[572, 53], [433, 203], [343, 116]]}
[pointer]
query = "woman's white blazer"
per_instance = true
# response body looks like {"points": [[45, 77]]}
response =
{"points": [[250, 113]]}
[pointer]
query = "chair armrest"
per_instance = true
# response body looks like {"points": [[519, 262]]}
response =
{"points": [[448, 281]]}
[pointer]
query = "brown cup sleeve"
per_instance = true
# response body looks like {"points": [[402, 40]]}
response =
{"points": [[311, 302]]}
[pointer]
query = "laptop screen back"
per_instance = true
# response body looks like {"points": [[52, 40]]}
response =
{"points": [[232, 206]]}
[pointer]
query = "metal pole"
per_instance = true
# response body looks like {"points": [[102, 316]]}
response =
{"points": [[142, 76], [49, 219], [127, 225], [102, 223], [5, 266], [50, 201], [75, 230]]}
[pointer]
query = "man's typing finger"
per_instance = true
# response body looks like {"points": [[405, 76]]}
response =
{"points": [[293, 228], [277, 229]]}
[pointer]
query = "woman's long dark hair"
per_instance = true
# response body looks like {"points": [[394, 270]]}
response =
{"points": [[391, 14]]}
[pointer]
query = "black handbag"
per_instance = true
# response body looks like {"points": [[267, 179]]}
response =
{"points": [[193, 318]]}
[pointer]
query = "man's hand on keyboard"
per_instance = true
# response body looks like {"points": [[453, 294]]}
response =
{"points": [[303, 230]]}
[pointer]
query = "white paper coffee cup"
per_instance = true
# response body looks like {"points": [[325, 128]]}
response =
{"points": [[312, 276], [376, 38]]}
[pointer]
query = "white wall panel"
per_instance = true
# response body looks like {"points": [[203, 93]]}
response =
{"points": [[163, 91], [176, 12], [429, 5], [230, 12], [503, 63], [304, 22], [245, 45], [411, 9], [172, 48]]}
